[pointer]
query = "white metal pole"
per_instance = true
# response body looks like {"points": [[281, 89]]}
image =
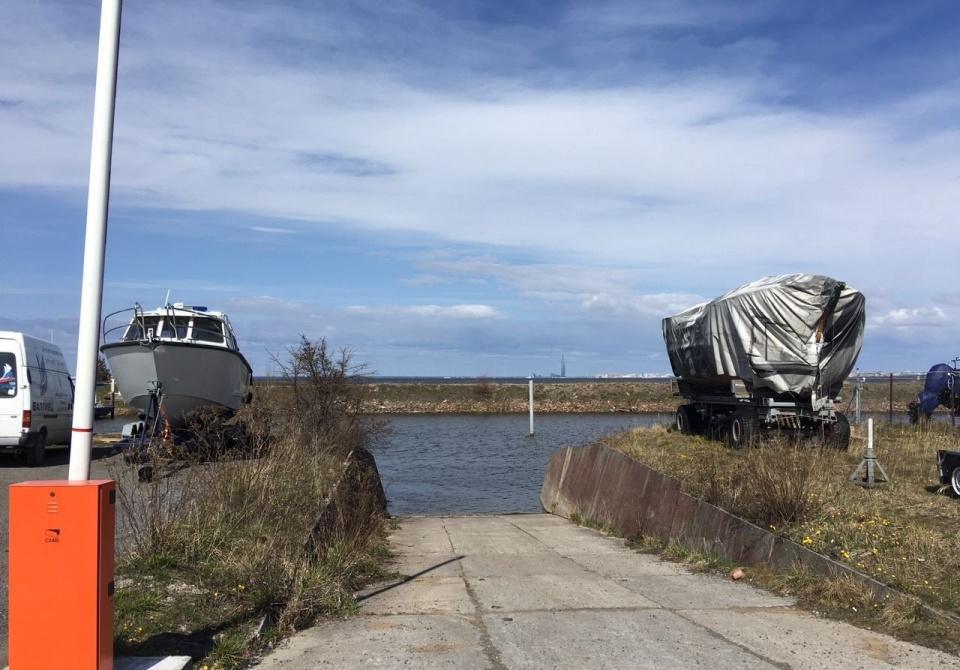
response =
{"points": [[857, 392], [870, 437], [98, 200], [531, 407]]}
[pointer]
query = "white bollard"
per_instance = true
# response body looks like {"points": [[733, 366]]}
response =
{"points": [[869, 472], [531, 407]]}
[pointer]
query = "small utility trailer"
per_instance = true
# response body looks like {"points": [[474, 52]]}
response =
{"points": [[772, 354], [948, 464]]}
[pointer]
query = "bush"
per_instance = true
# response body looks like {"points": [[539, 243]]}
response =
{"points": [[484, 390], [242, 521]]}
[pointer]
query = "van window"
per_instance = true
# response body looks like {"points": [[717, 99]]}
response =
{"points": [[8, 374], [207, 330]]}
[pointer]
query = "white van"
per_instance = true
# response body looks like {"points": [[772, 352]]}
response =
{"points": [[36, 396]]}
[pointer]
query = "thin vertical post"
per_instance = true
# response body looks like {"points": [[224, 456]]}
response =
{"points": [[890, 417], [857, 399], [94, 248], [531, 406], [953, 398]]}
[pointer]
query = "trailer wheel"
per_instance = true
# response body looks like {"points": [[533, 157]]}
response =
{"points": [[742, 430], [955, 481], [838, 435], [686, 420]]}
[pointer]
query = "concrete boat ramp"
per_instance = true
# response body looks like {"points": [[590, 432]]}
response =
{"points": [[536, 591]]}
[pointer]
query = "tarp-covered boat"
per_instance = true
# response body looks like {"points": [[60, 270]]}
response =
{"points": [[794, 334]]}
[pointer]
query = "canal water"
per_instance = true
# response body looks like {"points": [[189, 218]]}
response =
{"points": [[475, 464], [472, 464]]}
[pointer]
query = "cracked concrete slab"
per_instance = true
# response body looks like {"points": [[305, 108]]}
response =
{"points": [[555, 592], [801, 640], [654, 639], [403, 641], [428, 594], [629, 564], [535, 591], [674, 592]]}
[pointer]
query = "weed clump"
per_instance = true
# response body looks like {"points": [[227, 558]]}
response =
{"points": [[256, 526]]}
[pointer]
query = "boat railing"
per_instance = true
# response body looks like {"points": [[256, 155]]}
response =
{"points": [[148, 328], [110, 331]]}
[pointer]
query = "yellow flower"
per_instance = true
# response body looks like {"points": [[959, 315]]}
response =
{"points": [[807, 540], [844, 554]]}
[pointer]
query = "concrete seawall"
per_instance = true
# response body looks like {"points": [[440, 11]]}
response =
{"points": [[602, 485]]}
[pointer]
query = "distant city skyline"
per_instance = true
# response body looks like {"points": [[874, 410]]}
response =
{"points": [[564, 176]]}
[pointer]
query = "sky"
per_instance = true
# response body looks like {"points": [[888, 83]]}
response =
{"points": [[477, 187]]}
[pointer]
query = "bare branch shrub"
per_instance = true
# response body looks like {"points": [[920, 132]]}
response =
{"points": [[243, 514]]}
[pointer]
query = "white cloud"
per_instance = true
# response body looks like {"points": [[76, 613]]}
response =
{"points": [[657, 305], [268, 306], [270, 230], [466, 311], [913, 317], [692, 169]]}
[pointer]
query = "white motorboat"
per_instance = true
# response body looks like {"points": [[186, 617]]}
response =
{"points": [[184, 356]]}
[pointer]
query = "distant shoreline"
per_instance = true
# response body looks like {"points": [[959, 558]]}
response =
{"points": [[572, 397]]}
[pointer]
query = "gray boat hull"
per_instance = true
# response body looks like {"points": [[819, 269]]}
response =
{"points": [[192, 376]]}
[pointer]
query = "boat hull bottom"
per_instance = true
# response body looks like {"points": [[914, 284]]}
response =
{"points": [[191, 377]]}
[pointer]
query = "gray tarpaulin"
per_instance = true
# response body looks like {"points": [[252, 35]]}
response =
{"points": [[766, 333]]}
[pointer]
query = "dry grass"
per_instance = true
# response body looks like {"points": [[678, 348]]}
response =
{"points": [[905, 534], [214, 547]]}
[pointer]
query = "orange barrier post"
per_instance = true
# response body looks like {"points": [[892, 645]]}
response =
{"points": [[61, 575]]}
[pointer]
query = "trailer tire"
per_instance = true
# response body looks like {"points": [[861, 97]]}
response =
{"points": [[742, 429], [838, 435], [955, 481], [686, 420]]}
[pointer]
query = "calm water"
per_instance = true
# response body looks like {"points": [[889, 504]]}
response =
{"points": [[469, 464]]}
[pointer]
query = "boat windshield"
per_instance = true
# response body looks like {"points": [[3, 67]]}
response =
{"points": [[207, 330], [176, 326], [139, 329]]}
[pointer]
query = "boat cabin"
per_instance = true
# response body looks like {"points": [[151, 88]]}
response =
{"points": [[179, 323]]}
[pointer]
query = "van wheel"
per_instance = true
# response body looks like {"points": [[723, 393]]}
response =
{"points": [[37, 451], [955, 481]]}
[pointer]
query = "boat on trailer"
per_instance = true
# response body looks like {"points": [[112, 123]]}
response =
{"points": [[175, 360]]}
